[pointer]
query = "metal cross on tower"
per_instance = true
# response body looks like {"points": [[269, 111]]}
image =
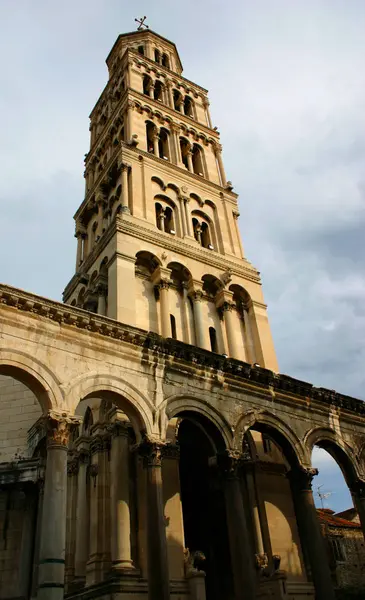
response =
{"points": [[142, 24]]}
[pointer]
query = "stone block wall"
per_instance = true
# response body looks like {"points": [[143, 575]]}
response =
{"points": [[19, 411]]}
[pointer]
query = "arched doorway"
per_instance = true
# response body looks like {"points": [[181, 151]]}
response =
{"points": [[203, 503]]}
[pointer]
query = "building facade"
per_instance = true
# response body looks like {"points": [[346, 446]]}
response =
{"points": [[148, 445]]}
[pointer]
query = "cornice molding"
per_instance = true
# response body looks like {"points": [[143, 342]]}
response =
{"points": [[174, 351], [208, 257]]}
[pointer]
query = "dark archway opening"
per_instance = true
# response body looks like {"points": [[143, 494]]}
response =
{"points": [[204, 514]]}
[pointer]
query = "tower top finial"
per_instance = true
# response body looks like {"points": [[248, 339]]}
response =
{"points": [[142, 24]]}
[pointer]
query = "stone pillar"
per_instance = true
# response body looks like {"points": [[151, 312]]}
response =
{"points": [[155, 144], [100, 545], [53, 534], [161, 219], [170, 93], [37, 540], [150, 90], [120, 499], [311, 537], [26, 549], [100, 205], [130, 109], [229, 309], [251, 356], [242, 555], [158, 571], [207, 112], [189, 157], [218, 154], [358, 494], [79, 249], [187, 216], [185, 314], [175, 132], [124, 195], [163, 287], [197, 297], [72, 471], [183, 218], [82, 517], [102, 291]]}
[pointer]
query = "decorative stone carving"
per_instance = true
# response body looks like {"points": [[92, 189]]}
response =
{"points": [[151, 451], [193, 562], [59, 428]]}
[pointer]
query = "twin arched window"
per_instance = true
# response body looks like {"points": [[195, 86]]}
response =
{"points": [[165, 218], [202, 232], [162, 58], [192, 157], [183, 104], [157, 141]]}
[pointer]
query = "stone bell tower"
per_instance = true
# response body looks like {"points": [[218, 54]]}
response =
{"points": [[158, 244]]}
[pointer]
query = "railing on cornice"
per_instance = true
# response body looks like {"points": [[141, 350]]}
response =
{"points": [[176, 351]]}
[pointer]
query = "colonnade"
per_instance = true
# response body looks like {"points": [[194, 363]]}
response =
{"points": [[103, 535]]}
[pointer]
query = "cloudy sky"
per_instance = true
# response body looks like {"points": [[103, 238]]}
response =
{"points": [[287, 90]]}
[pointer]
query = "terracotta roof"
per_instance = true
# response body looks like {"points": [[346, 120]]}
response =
{"points": [[327, 516]]}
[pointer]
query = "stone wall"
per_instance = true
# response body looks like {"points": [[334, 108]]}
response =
{"points": [[19, 411]]}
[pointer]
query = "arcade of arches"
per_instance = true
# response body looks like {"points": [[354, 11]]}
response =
{"points": [[149, 446]]}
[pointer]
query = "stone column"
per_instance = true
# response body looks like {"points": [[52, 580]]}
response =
{"points": [[72, 471], [130, 109], [187, 216], [155, 144], [207, 113], [175, 132], [185, 314], [242, 555], [218, 154], [163, 287], [228, 309], [150, 90], [125, 194], [249, 339], [182, 220], [197, 297], [189, 157], [37, 540], [53, 534], [100, 205], [358, 494], [79, 249], [120, 499], [26, 549], [170, 94], [161, 219], [100, 545], [82, 517], [311, 537], [158, 571], [101, 299]]}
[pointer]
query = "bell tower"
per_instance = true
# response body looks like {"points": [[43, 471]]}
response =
{"points": [[158, 244]]}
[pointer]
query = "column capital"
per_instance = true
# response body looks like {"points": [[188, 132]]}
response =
{"points": [[58, 427], [196, 295], [151, 451], [73, 466], [119, 428], [224, 300], [100, 443], [229, 463], [302, 477]]}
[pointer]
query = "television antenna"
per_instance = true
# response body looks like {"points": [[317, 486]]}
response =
{"points": [[323, 495]]}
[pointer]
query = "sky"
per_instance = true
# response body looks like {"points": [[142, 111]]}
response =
{"points": [[287, 90]]}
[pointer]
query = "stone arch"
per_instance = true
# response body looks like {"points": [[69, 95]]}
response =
{"points": [[183, 403], [266, 422], [122, 393], [35, 375], [342, 453]]}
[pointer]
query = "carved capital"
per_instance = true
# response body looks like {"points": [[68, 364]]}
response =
{"points": [[302, 478], [164, 284], [59, 428], [229, 463], [151, 451], [73, 467], [227, 307], [100, 443], [119, 429], [196, 295], [171, 451]]}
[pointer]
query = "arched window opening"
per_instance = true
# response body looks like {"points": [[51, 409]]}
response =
{"points": [[146, 263], [173, 327], [330, 489], [160, 217], [158, 91], [213, 339], [178, 100], [185, 148], [157, 56], [205, 236], [147, 85], [169, 221], [163, 144], [141, 50], [88, 421], [165, 61], [188, 107], [197, 159], [151, 134]]}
